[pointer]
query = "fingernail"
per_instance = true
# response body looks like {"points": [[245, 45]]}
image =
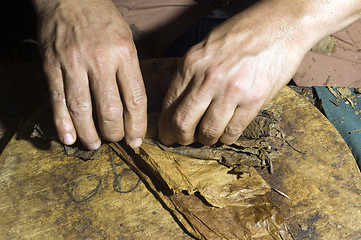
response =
{"points": [[94, 146], [68, 139], [135, 143]]}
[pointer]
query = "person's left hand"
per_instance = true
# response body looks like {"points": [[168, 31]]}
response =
{"points": [[226, 79]]}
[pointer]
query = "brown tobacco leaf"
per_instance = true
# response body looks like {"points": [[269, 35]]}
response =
{"points": [[240, 159], [198, 175], [253, 221], [334, 93], [256, 147], [325, 46], [80, 152], [200, 193], [343, 93], [265, 124], [346, 95], [207, 201]]}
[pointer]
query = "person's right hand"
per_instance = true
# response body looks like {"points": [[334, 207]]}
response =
{"points": [[88, 51]]}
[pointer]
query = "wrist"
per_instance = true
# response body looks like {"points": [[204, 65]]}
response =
{"points": [[310, 21], [44, 8]]}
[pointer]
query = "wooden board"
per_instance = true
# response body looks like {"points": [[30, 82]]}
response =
{"points": [[46, 194], [323, 182], [49, 195]]}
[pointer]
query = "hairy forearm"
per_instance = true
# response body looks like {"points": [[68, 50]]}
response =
{"points": [[301, 23], [312, 20], [317, 19]]}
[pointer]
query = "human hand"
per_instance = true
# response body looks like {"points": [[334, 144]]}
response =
{"points": [[226, 79], [88, 51]]}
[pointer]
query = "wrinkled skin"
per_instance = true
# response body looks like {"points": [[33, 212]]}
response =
{"points": [[224, 81], [88, 48], [227, 78]]}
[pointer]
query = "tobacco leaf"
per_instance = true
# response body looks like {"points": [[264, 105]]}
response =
{"points": [[325, 46], [209, 178], [343, 93], [206, 198], [256, 147], [334, 93], [207, 201], [79, 152], [260, 219], [346, 95]]}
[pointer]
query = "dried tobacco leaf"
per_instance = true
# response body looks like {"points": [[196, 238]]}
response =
{"points": [[334, 93], [208, 202], [325, 46], [256, 147], [81, 152], [209, 178], [346, 95], [253, 221], [206, 199]]}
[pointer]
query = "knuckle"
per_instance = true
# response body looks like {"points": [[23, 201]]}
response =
{"points": [[189, 59], [136, 100], [181, 123], [189, 63], [214, 74], [70, 55], [127, 48], [213, 79], [48, 55], [249, 95], [79, 108], [168, 100], [210, 132], [50, 62], [233, 131], [110, 111], [100, 61], [57, 96], [236, 86], [63, 123], [258, 96]]}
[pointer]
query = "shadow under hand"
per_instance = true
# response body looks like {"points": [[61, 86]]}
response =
{"points": [[22, 90]]}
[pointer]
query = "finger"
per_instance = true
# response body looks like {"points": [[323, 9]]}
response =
{"points": [[108, 103], [173, 97], [134, 100], [190, 110], [215, 121], [79, 106], [63, 123], [177, 90], [241, 118]]}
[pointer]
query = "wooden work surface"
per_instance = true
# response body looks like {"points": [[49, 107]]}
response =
{"points": [[47, 194]]}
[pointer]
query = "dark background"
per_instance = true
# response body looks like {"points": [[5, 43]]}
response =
{"points": [[17, 23], [22, 83]]}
